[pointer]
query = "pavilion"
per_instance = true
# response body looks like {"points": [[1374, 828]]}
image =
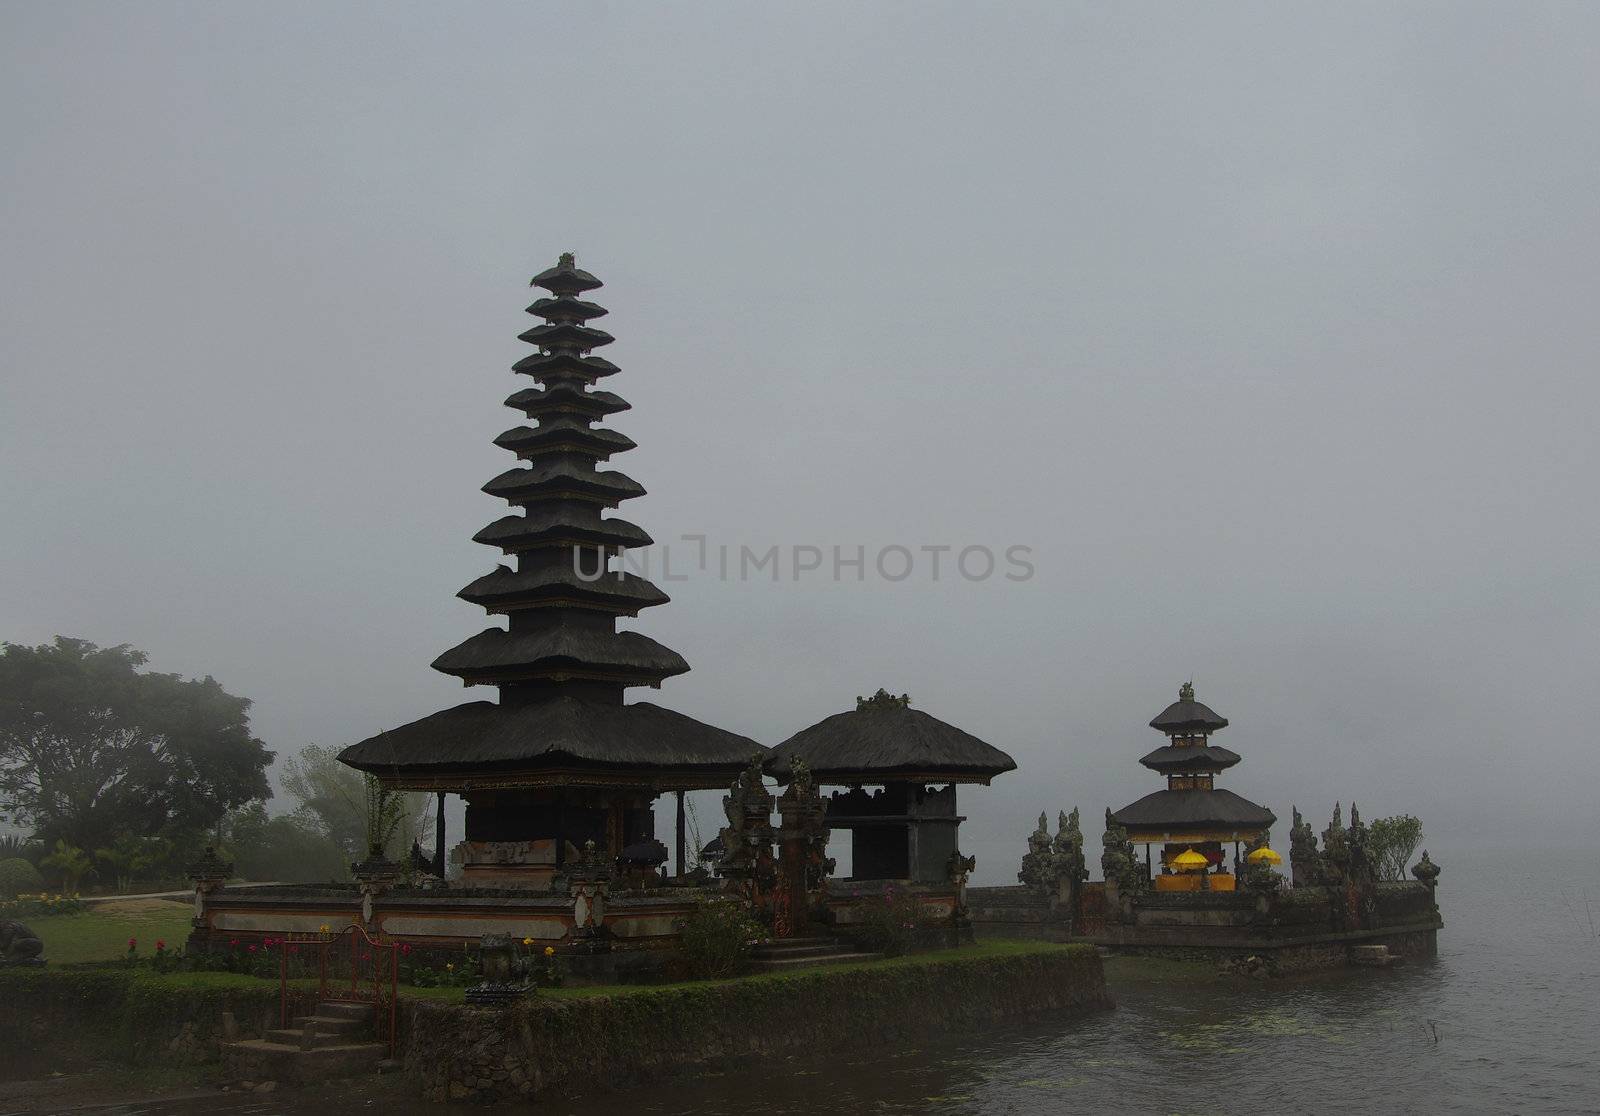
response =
{"points": [[906, 829], [1192, 814], [560, 759]]}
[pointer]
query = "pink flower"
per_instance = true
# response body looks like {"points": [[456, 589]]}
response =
{"points": [[252, 949], [133, 943], [234, 942]]}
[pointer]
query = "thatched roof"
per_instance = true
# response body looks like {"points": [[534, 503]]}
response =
{"points": [[563, 479], [589, 367], [1171, 810], [1188, 715], [560, 731], [563, 650], [1175, 760], [566, 334], [568, 436], [876, 742], [559, 526], [566, 398], [567, 308], [566, 278], [612, 591]]}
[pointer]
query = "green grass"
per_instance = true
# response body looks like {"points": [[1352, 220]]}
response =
{"points": [[103, 936]]}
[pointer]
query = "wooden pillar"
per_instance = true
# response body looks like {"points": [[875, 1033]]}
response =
{"points": [[683, 860], [438, 838]]}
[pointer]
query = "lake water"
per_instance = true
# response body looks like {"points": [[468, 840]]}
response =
{"points": [[1507, 1020]]}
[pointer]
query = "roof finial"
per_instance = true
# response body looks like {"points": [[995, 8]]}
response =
{"points": [[567, 262], [1186, 691]]}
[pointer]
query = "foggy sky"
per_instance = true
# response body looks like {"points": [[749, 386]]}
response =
{"points": [[1270, 328]]}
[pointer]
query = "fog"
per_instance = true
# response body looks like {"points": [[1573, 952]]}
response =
{"points": [[1269, 329]]}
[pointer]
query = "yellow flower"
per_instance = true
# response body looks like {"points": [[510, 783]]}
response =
{"points": [[549, 951], [527, 941]]}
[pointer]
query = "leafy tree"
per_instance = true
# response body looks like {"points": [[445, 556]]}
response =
{"points": [[91, 747], [130, 855], [72, 862], [289, 848], [344, 806], [1391, 843]]}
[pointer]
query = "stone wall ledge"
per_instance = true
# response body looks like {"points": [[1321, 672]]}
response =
{"points": [[1198, 938], [576, 1045]]}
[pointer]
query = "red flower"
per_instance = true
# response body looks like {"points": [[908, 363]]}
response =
{"points": [[252, 949], [160, 945], [133, 943], [234, 942], [405, 947]]}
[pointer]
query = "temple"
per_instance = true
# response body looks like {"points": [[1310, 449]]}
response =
{"points": [[900, 767], [560, 760], [1193, 818]]}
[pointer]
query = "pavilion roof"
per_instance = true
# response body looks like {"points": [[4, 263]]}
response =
{"points": [[876, 742], [1173, 759], [1193, 809], [1186, 715], [558, 731], [562, 651]]}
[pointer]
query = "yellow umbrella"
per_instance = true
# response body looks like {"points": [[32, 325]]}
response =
{"points": [[1264, 855], [1189, 861]]}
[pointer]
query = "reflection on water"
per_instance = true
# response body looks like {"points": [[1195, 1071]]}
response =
{"points": [[1505, 1021]]}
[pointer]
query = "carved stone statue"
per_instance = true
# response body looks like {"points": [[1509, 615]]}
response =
{"points": [[1305, 859], [589, 879], [1038, 870], [209, 873], [1118, 862], [802, 847], [21, 946], [747, 838], [957, 869], [1335, 851], [1426, 870], [1069, 848]]}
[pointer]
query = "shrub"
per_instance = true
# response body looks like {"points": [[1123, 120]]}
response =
{"points": [[17, 876], [889, 923], [717, 937], [1391, 843]]}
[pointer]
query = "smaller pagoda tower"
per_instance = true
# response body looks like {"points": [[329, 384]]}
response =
{"points": [[1192, 813]]}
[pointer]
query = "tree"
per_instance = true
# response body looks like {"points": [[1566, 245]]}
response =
{"points": [[340, 802], [72, 862], [289, 848], [130, 855], [1391, 843], [91, 748]]}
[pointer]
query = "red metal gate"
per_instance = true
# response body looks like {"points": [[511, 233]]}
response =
{"points": [[350, 966]]}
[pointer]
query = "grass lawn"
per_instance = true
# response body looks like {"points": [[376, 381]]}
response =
{"points": [[103, 936], [102, 932]]}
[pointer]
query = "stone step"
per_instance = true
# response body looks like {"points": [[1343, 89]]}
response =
{"points": [[788, 963], [266, 1060], [787, 943], [288, 1036], [334, 1024], [1377, 956], [775, 950], [345, 1009]]}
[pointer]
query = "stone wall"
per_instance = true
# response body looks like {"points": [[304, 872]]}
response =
{"points": [[58, 1018], [577, 1045]]}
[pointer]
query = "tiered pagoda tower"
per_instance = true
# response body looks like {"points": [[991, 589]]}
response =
{"points": [[561, 758], [1192, 813]]}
